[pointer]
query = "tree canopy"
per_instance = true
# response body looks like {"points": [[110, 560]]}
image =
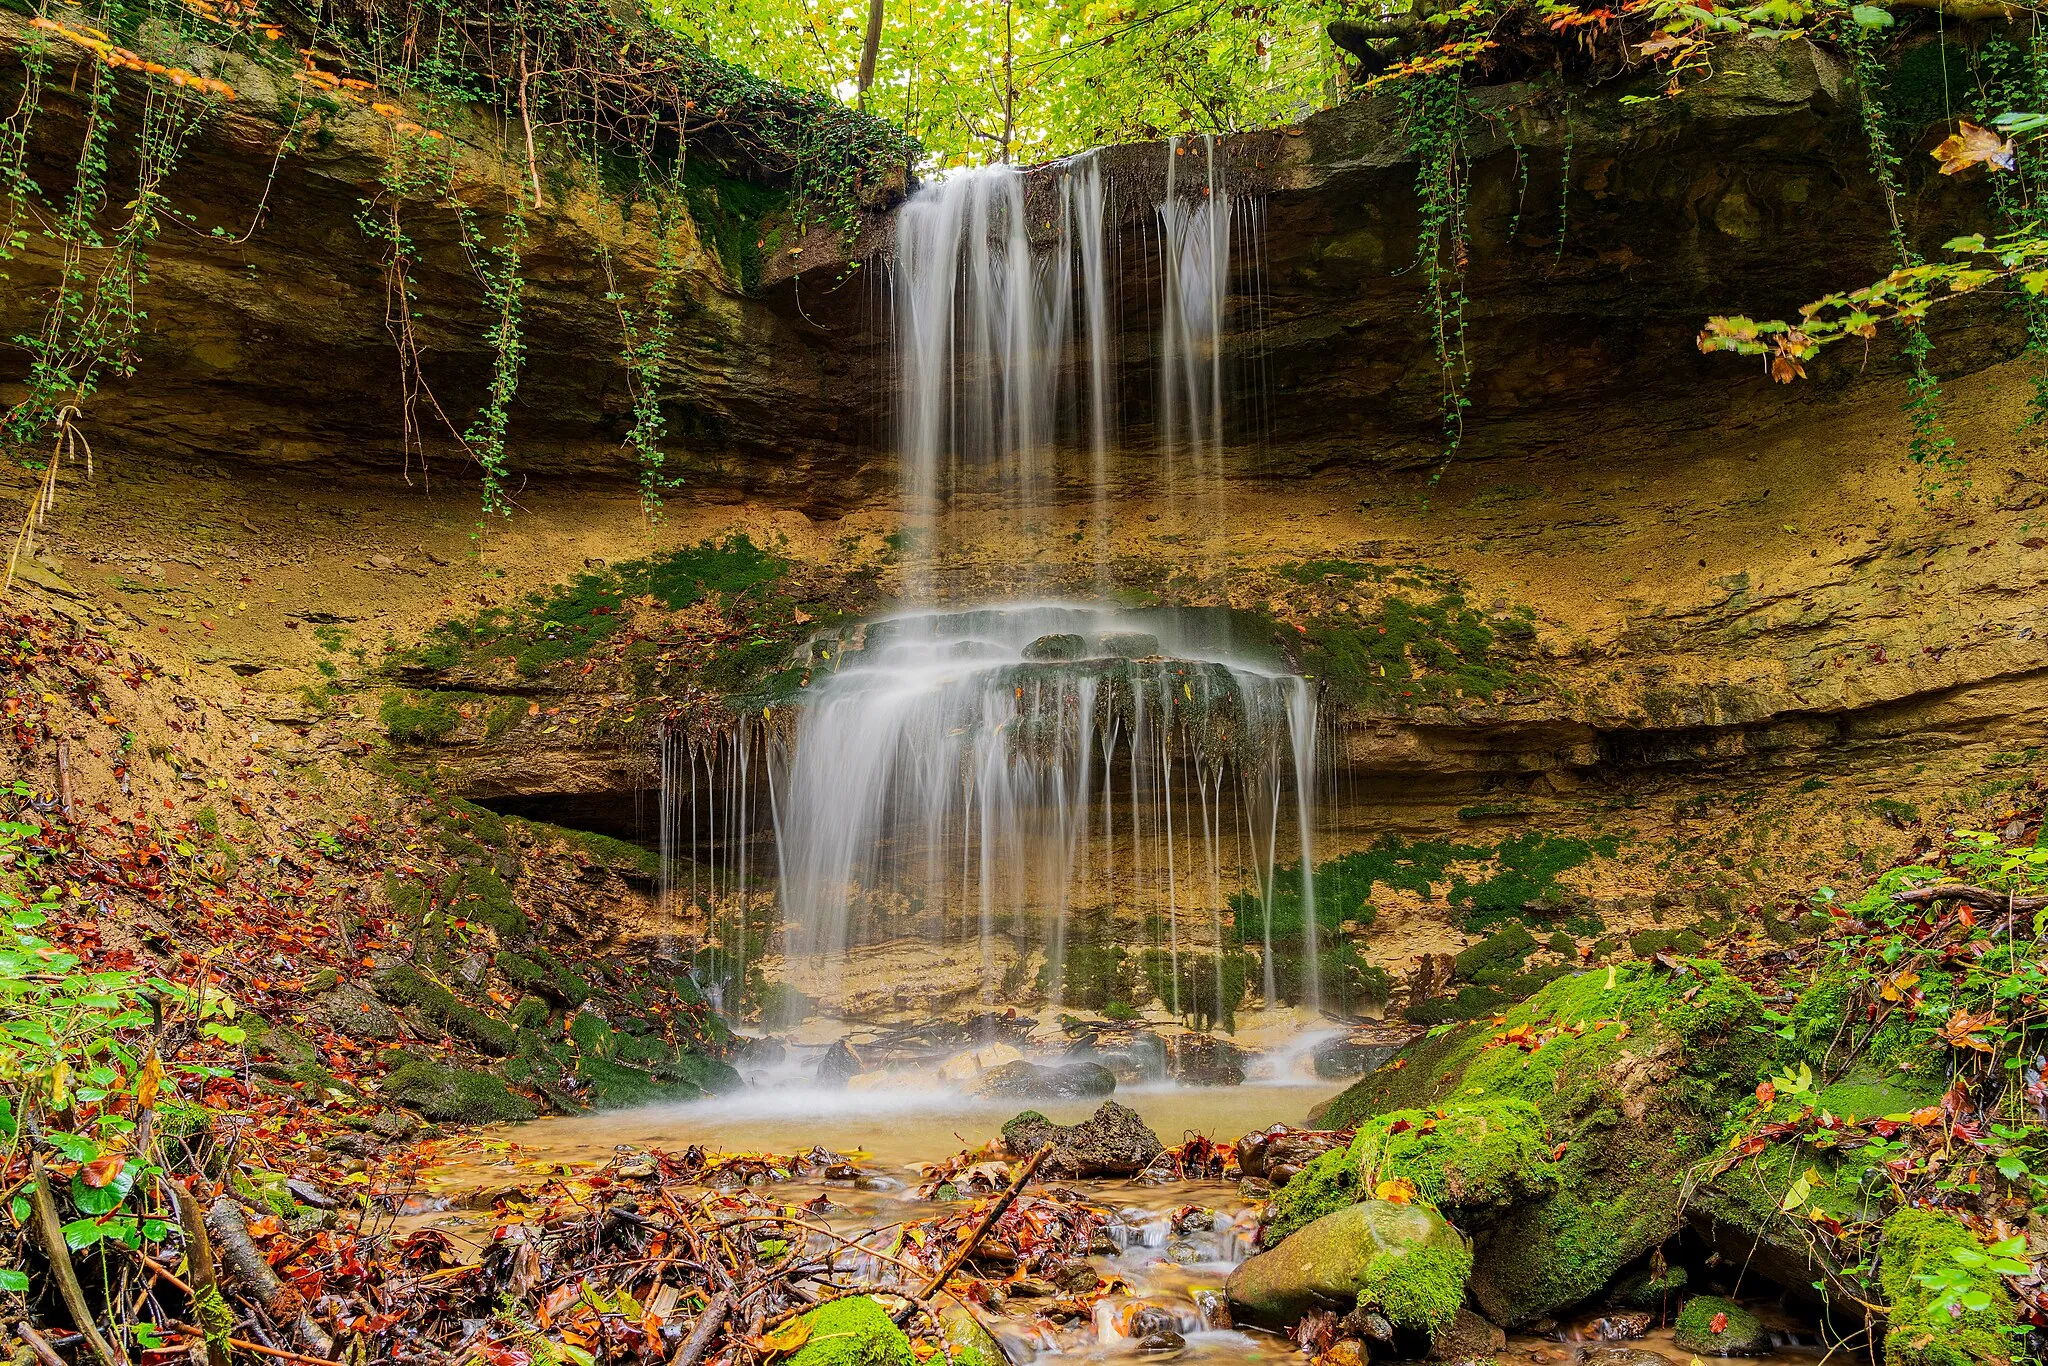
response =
{"points": [[979, 81]]}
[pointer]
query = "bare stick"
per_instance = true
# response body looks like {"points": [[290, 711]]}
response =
{"points": [[224, 1221], [1983, 898], [215, 1319], [64, 778], [44, 1352], [708, 1324]]}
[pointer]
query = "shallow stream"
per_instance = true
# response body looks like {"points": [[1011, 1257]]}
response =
{"points": [[888, 1132]]}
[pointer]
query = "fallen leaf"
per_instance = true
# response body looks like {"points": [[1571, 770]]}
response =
{"points": [[1971, 145]]}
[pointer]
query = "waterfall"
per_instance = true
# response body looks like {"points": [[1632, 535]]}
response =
{"points": [[994, 776]]}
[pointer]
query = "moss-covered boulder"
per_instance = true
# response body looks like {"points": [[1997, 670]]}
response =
{"points": [[1402, 1260], [1469, 1160], [454, 1095], [1716, 1327], [1922, 1331], [853, 1332], [1632, 1069], [403, 984]]}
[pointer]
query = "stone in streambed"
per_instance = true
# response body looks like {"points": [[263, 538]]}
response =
{"points": [[839, 1065], [1618, 1354], [1402, 1260], [1204, 1060], [1739, 1332], [1112, 1142], [1468, 1336], [1029, 1081]]}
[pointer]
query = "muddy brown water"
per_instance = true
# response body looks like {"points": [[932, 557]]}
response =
{"points": [[887, 1133]]}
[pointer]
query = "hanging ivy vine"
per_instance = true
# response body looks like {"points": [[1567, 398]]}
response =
{"points": [[1435, 106], [497, 266], [1928, 443], [646, 335], [2018, 79]]}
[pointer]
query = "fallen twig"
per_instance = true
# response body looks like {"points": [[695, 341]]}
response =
{"points": [[208, 1306], [966, 1248], [1983, 898], [708, 1324], [224, 1221]]}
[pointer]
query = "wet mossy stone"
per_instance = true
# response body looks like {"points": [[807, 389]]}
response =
{"points": [[1053, 648], [1471, 1160], [454, 1095], [485, 898], [1028, 1081], [1741, 1333], [1129, 644], [853, 1332], [1646, 1289], [1921, 1330], [1403, 1261], [1632, 1069]]}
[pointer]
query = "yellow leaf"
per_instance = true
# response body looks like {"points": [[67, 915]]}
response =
{"points": [[788, 1337], [1398, 1190], [148, 1082]]}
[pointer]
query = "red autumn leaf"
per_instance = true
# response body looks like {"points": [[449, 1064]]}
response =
{"points": [[100, 1174], [1718, 1324], [1766, 1093]]}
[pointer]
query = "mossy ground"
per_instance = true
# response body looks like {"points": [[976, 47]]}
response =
{"points": [[1920, 1245]]}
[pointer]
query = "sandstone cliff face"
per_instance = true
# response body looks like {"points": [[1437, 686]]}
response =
{"points": [[270, 346]]}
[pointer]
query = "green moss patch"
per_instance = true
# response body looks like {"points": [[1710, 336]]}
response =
{"points": [[407, 985], [853, 1332], [454, 1095]]}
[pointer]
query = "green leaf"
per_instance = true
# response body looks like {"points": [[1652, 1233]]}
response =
{"points": [[1976, 1300], [2011, 1168], [83, 1233], [12, 1281], [1870, 16], [76, 1147]]}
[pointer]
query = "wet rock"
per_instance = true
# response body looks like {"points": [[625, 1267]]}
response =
{"points": [[1255, 1188], [1073, 1278], [1403, 1259], [1148, 1319], [1030, 1288], [1162, 1343], [1289, 1153], [1339, 1059], [1615, 1327], [1112, 1142], [1051, 648], [1214, 1309], [1467, 1335], [1346, 1352], [1647, 1289], [839, 1066], [1251, 1150], [759, 1052], [1194, 1219], [1618, 1354], [1203, 1060], [973, 1063], [1713, 1326], [1128, 644], [969, 1340], [1028, 1081], [1137, 1060]]}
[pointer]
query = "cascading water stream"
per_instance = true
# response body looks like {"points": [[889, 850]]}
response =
{"points": [[1003, 775]]}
